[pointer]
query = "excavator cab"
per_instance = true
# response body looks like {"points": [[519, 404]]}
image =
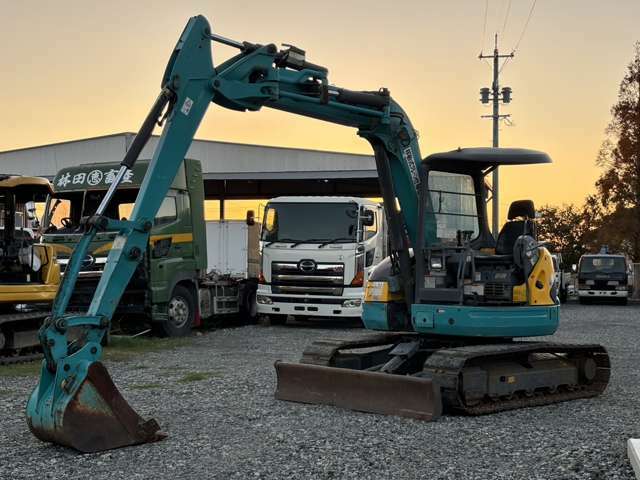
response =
{"points": [[460, 262], [29, 276], [461, 267]]}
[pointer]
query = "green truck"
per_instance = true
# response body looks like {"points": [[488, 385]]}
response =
{"points": [[173, 289]]}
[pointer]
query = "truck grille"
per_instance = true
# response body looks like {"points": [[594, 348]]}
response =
{"points": [[603, 285], [134, 298], [307, 277], [91, 267]]}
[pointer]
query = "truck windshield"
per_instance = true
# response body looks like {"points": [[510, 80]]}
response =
{"points": [[310, 222], [453, 201], [67, 208], [604, 264]]}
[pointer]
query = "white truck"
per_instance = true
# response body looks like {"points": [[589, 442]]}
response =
{"points": [[317, 253]]}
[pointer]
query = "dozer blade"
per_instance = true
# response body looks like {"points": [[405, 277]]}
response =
{"points": [[95, 418], [359, 390]]}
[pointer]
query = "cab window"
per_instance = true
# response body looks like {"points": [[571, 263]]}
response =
{"points": [[453, 201], [168, 211]]}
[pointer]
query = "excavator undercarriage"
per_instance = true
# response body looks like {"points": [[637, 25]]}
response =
{"points": [[418, 376]]}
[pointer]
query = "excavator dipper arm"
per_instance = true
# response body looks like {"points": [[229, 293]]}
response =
{"points": [[76, 403]]}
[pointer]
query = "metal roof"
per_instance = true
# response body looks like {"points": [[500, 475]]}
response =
{"points": [[16, 181], [220, 160]]}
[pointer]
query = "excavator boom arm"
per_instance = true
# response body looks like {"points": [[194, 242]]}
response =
{"points": [[74, 387]]}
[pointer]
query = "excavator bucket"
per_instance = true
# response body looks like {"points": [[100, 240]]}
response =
{"points": [[364, 391], [94, 418]]}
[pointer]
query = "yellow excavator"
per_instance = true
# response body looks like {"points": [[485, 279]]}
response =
{"points": [[29, 274]]}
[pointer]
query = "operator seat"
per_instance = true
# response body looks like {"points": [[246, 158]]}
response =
{"points": [[520, 222]]}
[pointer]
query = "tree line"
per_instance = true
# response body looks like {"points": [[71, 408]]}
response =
{"points": [[611, 216]]}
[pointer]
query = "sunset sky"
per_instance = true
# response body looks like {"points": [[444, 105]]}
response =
{"points": [[74, 69]]}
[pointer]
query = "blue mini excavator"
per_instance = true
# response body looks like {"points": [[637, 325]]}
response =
{"points": [[448, 302]]}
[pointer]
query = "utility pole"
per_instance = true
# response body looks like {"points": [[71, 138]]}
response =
{"points": [[495, 95]]}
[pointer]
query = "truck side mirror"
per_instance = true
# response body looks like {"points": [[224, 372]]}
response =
{"points": [[368, 218], [251, 218], [574, 268]]}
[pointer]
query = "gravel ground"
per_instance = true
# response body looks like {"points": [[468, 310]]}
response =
{"points": [[228, 425]]}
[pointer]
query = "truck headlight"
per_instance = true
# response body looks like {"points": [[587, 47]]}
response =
{"points": [[352, 303], [621, 287], [590, 282], [613, 283], [264, 300]]}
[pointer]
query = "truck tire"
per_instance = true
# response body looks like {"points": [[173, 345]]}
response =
{"points": [[181, 309], [249, 308]]}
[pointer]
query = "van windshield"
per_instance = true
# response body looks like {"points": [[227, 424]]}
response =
{"points": [[310, 222], [604, 264]]}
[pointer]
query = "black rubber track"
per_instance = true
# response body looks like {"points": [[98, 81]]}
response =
{"points": [[447, 365]]}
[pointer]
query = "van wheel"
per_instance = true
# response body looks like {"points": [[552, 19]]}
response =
{"points": [[181, 310]]}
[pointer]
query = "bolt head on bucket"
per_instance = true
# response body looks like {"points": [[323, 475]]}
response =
{"points": [[95, 417]]}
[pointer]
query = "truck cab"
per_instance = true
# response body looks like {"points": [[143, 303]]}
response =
{"points": [[164, 288], [317, 253], [604, 276]]}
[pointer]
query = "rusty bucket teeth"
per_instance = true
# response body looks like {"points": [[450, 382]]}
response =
{"points": [[359, 390], [98, 418]]}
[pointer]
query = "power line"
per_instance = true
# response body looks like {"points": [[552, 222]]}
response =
{"points": [[526, 24], [484, 28], [506, 17], [505, 62], [524, 29]]}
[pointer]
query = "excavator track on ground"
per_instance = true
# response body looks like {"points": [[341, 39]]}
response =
{"points": [[471, 379], [19, 337]]}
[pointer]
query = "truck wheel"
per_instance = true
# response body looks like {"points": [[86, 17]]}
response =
{"points": [[249, 308], [181, 310]]}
